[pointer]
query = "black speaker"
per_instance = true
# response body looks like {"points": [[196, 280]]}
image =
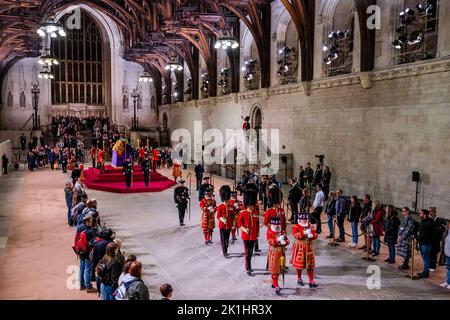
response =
{"points": [[415, 176], [284, 159]]}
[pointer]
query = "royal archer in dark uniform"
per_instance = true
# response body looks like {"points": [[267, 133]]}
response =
{"points": [[128, 171], [181, 198], [146, 169]]}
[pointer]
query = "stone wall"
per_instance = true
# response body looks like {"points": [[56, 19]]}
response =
{"points": [[372, 138]]}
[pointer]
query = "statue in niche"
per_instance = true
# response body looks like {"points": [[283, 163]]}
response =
{"points": [[22, 100], [10, 100], [125, 100]]}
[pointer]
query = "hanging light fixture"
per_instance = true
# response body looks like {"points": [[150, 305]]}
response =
{"points": [[145, 77], [51, 27], [46, 74], [174, 66], [48, 60], [226, 42]]}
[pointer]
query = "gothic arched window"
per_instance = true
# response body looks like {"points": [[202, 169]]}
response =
{"points": [[79, 76]]}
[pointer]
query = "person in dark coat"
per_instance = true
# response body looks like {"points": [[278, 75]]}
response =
{"points": [[425, 239], [128, 171], [23, 141], [111, 272], [145, 165], [181, 198], [5, 162], [391, 227], [353, 217], [326, 180], [199, 174], [365, 220], [293, 198], [102, 241], [377, 227]]}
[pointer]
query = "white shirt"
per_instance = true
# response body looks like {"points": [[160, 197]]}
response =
{"points": [[319, 200]]}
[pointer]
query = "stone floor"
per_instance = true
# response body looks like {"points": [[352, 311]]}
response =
{"points": [[38, 260]]}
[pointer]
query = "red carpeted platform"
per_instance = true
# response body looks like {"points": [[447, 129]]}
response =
{"points": [[113, 180]]}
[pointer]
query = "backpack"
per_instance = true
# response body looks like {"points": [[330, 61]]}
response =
{"points": [[121, 292], [81, 244], [100, 270]]}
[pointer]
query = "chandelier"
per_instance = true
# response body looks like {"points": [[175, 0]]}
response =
{"points": [[226, 43], [48, 60], [46, 74], [145, 77], [51, 27]]}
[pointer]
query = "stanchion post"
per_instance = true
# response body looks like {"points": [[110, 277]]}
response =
{"points": [[411, 275], [333, 242], [367, 257]]}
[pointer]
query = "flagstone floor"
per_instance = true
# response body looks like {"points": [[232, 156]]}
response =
{"points": [[37, 262]]}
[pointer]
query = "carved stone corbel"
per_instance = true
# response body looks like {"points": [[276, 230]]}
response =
{"points": [[307, 87], [366, 79]]}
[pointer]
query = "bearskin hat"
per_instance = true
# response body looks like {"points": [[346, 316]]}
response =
{"points": [[250, 197], [275, 195], [225, 193]]}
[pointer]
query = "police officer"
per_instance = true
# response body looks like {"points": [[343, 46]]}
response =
{"points": [[205, 187], [128, 171], [146, 169], [181, 197]]}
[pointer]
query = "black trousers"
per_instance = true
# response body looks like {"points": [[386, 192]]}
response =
{"points": [[340, 223], [5, 170], [52, 165], [181, 213], [199, 182], [315, 218], [225, 239], [23, 147], [248, 246], [294, 209], [93, 162], [128, 180], [256, 245], [146, 178], [435, 249], [64, 167]]}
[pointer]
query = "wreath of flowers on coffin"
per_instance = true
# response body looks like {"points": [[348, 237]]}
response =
{"points": [[119, 146]]}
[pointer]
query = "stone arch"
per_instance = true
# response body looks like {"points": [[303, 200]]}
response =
{"points": [[341, 15], [256, 117], [113, 39]]}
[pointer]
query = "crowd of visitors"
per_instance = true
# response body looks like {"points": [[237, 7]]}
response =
{"points": [[117, 276], [379, 224]]}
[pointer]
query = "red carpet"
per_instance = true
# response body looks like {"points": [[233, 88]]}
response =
{"points": [[113, 180]]}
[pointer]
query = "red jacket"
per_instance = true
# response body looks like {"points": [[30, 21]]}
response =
{"points": [[229, 215], [249, 220], [377, 222], [272, 238], [299, 232], [272, 212]]}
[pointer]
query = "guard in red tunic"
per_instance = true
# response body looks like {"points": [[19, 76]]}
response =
{"points": [[226, 216], [248, 223], [238, 206], [278, 241], [208, 207], [302, 256], [246, 124], [275, 197]]}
